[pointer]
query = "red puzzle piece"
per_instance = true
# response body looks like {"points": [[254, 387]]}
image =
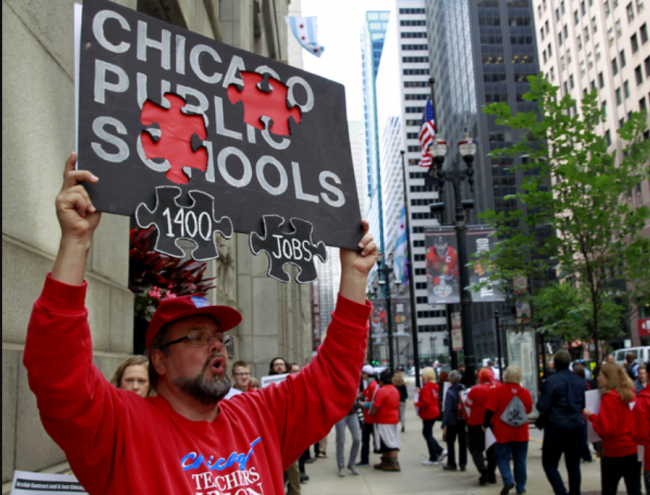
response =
{"points": [[175, 141], [257, 103]]}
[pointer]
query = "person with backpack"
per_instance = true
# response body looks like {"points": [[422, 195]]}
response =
{"points": [[612, 424], [631, 366], [454, 420], [562, 400], [429, 411], [476, 401], [509, 405]]}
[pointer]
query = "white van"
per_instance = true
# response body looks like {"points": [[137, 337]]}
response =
{"points": [[642, 354]]}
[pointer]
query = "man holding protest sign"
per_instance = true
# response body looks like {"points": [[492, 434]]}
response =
{"points": [[184, 440]]}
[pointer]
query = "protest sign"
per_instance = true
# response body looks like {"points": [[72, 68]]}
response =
{"points": [[456, 332], [592, 403], [26, 483], [268, 380], [197, 137]]}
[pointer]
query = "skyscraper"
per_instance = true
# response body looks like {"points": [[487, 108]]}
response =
{"points": [[481, 51], [372, 43], [605, 45], [402, 91]]}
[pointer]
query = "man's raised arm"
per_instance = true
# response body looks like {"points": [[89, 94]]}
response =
{"points": [[78, 220]]}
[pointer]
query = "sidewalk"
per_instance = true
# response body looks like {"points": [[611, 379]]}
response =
{"points": [[418, 479]]}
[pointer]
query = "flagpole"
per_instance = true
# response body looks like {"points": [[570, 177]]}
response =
{"points": [[411, 276], [432, 81]]}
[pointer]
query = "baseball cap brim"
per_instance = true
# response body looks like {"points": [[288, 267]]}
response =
{"points": [[226, 317]]}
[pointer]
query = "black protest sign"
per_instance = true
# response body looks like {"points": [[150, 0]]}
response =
{"points": [[160, 106]]}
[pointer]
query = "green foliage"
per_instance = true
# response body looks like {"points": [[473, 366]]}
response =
{"points": [[573, 217]]}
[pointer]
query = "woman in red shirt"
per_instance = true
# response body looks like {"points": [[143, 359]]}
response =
{"points": [[509, 404], [385, 415], [641, 429], [612, 424], [429, 411]]}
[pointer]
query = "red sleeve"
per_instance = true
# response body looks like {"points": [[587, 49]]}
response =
{"points": [[79, 409], [426, 396], [640, 426], [606, 422], [324, 390], [380, 397]]}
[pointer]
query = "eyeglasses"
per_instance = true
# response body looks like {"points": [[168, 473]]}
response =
{"points": [[201, 338], [241, 374]]}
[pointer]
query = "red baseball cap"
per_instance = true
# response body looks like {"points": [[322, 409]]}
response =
{"points": [[193, 305]]}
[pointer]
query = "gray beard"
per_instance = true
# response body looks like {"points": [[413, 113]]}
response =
{"points": [[205, 391]]}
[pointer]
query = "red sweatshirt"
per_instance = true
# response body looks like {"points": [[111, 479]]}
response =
{"points": [[387, 400], [429, 404], [498, 401], [117, 442], [640, 424], [612, 424], [368, 393], [477, 400]]}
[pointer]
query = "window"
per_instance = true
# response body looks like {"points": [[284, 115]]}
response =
{"points": [[571, 83], [622, 57], [619, 98], [562, 6], [594, 26], [607, 9], [642, 104], [576, 18], [579, 43], [610, 36], [415, 59], [634, 42], [544, 55], [615, 66], [597, 51], [416, 96], [621, 122], [550, 52], [646, 63], [619, 29], [583, 7], [587, 33], [566, 88], [412, 23], [590, 60], [559, 39], [414, 109], [639, 5], [568, 56], [644, 33], [608, 138], [638, 75], [604, 107], [592, 85], [546, 26], [601, 80], [630, 12], [562, 62], [541, 33], [583, 72], [552, 73], [557, 15], [626, 88], [416, 72]]}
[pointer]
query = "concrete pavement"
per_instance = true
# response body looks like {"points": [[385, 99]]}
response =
{"points": [[417, 479]]}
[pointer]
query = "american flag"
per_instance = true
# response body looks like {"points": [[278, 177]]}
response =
{"points": [[427, 133]]}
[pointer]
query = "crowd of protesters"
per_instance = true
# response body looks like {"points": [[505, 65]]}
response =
{"points": [[378, 417]]}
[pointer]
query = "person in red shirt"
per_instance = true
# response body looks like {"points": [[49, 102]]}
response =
{"points": [[429, 410], [507, 408], [612, 423], [442, 262], [640, 427], [366, 397], [477, 399], [385, 414], [185, 440]]}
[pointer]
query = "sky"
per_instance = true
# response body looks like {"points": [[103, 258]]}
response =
{"points": [[339, 32]]}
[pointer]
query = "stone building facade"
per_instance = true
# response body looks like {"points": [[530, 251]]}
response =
{"points": [[38, 133]]}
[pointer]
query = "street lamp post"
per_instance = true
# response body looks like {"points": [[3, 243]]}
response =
{"points": [[456, 176], [384, 269]]}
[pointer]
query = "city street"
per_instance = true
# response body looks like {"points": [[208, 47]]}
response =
{"points": [[418, 479]]}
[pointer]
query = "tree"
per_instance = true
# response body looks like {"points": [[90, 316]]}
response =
{"points": [[573, 216]]}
